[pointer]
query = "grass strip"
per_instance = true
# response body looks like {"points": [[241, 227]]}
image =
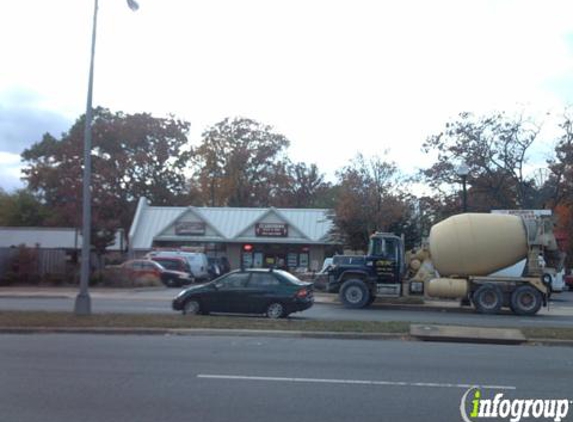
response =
{"points": [[35, 319], [549, 333], [25, 319]]}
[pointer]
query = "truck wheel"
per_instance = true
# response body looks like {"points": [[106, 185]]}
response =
{"points": [[354, 294], [488, 299], [526, 300]]}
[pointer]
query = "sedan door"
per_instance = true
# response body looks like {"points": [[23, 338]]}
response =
{"points": [[262, 289], [229, 293]]}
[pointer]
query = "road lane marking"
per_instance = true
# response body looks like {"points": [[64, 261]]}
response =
{"points": [[355, 382]]}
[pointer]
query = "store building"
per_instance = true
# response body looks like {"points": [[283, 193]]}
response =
{"points": [[296, 239]]}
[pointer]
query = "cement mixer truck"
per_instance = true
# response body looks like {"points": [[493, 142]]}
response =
{"points": [[463, 253]]}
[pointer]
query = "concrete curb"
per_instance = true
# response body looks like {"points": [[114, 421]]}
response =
{"points": [[244, 333], [205, 332]]}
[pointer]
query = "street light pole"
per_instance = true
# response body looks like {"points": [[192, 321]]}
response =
{"points": [[83, 301], [463, 171]]}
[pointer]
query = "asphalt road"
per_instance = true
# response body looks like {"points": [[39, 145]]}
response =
{"points": [[55, 378], [560, 313]]}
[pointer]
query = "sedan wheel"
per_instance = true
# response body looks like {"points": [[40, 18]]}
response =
{"points": [[192, 307], [275, 310]]}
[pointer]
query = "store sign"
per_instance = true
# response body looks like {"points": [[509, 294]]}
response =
{"points": [[271, 230], [187, 228]]}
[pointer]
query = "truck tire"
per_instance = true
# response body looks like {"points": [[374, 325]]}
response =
{"points": [[354, 294], [526, 300], [488, 299]]}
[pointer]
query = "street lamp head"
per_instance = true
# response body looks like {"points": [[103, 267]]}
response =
{"points": [[463, 170], [133, 5]]}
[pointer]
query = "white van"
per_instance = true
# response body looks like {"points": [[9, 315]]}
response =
{"points": [[517, 269], [197, 261]]}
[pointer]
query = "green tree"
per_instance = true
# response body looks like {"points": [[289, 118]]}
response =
{"points": [[241, 162], [22, 208], [495, 148]]}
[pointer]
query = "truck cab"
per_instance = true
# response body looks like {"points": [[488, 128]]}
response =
{"points": [[379, 273], [386, 256]]}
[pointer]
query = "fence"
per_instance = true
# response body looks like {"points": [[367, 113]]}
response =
{"points": [[27, 264], [23, 264]]}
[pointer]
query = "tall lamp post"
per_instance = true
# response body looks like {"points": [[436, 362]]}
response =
{"points": [[463, 171], [83, 302]]}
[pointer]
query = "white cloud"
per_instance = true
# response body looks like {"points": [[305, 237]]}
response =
{"points": [[337, 77], [10, 171]]}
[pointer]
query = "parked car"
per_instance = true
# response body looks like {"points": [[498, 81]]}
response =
{"points": [[140, 268], [214, 269], [326, 265], [275, 293], [218, 266], [174, 263], [197, 262]]}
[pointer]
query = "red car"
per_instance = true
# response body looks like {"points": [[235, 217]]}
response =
{"points": [[142, 268], [569, 281]]}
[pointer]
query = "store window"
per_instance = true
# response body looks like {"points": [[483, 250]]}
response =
{"points": [[303, 260], [247, 259]]}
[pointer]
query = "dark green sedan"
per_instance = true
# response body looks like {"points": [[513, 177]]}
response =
{"points": [[275, 293]]}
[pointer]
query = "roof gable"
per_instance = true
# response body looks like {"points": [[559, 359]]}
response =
{"points": [[271, 216], [191, 222]]}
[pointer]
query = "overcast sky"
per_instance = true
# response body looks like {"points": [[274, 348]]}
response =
{"points": [[335, 77]]}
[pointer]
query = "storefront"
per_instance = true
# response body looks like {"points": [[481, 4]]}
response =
{"points": [[294, 239]]}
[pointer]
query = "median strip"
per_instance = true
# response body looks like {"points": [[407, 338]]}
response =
{"points": [[177, 324], [22, 319]]}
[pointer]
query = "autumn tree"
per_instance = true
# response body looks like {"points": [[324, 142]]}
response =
{"points": [[133, 155], [561, 166], [302, 186], [370, 200], [495, 148], [241, 163], [560, 181]]}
